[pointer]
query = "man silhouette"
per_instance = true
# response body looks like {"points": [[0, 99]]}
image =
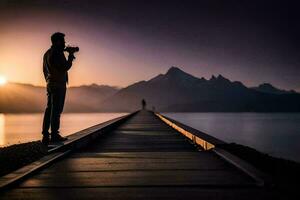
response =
{"points": [[55, 68], [143, 104]]}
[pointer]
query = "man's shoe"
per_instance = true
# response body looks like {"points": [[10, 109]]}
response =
{"points": [[58, 138], [45, 140]]}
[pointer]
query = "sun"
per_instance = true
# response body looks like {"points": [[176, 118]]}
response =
{"points": [[3, 80]]}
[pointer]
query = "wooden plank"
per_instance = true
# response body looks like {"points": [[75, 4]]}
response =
{"points": [[145, 193], [148, 155], [145, 149], [132, 166], [139, 161], [216, 178], [152, 133]]}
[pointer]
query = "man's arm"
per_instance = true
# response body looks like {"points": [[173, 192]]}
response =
{"points": [[71, 57], [58, 61]]}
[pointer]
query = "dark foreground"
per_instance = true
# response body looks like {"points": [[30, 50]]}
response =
{"points": [[142, 158], [15, 156]]}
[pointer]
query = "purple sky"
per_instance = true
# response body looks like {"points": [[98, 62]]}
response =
{"points": [[122, 42]]}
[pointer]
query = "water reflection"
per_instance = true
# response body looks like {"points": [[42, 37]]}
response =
{"points": [[2, 130], [19, 128], [277, 134]]}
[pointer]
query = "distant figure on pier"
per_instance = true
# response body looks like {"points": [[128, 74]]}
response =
{"points": [[55, 69], [143, 104]]}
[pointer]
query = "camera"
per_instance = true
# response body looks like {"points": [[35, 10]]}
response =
{"points": [[71, 49]]}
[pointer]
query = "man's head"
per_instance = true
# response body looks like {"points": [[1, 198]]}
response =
{"points": [[58, 40]]}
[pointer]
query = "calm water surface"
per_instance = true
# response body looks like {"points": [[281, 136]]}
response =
{"points": [[19, 128], [277, 134]]}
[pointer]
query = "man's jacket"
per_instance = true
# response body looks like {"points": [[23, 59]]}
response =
{"points": [[56, 66]]}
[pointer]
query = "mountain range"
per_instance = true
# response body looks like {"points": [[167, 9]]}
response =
{"points": [[174, 91], [24, 98]]}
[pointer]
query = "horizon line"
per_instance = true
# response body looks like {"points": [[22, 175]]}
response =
{"points": [[120, 87]]}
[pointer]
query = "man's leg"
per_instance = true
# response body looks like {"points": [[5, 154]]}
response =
{"points": [[46, 120], [58, 100]]}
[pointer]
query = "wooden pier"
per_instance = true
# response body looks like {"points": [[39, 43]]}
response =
{"points": [[139, 156]]}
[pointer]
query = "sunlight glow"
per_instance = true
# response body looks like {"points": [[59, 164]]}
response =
{"points": [[3, 80]]}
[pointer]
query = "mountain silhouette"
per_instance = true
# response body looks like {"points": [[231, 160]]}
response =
{"points": [[25, 98], [179, 91], [268, 88], [174, 91]]}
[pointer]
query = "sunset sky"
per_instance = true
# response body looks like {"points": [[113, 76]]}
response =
{"points": [[122, 42]]}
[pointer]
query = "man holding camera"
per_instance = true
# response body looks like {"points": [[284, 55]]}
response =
{"points": [[55, 68]]}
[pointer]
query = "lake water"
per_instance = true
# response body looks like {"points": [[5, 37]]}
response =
{"points": [[277, 134], [19, 128]]}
